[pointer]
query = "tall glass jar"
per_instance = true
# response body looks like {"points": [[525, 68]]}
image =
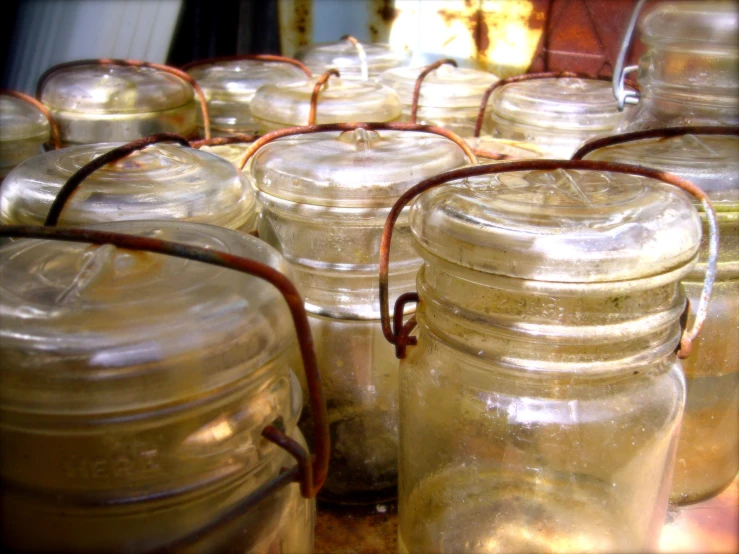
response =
{"points": [[324, 198], [163, 182], [449, 96], [349, 56], [23, 132], [556, 114], [95, 103], [708, 452], [689, 74], [134, 389], [540, 409]]}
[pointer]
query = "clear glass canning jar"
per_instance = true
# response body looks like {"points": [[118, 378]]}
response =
{"points": [[95, 103], [689, 74], [23, 132], [540, 408], [556, 114], [281, 105], [449, 96], [324, 199], [489, 149], [348, 58], [134, 389], [708, 452], [163, 181], [229, 86]]}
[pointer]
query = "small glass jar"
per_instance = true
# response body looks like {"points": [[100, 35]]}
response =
{"points": [[163, 182], [324, 200], [23, 132], [109, 103], [449, 97], [229, 87], [540, 408], [283, 105], [555, 114], [708, 452], [348, 58], [134, 388], [689, 74]]}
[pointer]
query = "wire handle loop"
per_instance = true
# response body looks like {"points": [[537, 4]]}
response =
{"points": [[223, 141], [255, 57], [364, 68], [310, 474], [688, 336], [133, 63], [419, 81], [328, 127], [620, 93], [68, 188], [317, 88], [55, 138]]}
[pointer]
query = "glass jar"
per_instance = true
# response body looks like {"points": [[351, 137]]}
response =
{"points": [[132, 403], [281, 105], [556, 114], [348, 58], [95, 103], [449, 96], [489, 149], [23, 132], [162, 182], [689, 74], [229, 86], [708, 452], [540, 409], [324, 199]]}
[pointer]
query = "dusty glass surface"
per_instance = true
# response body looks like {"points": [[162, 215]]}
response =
{"points": [[23, 131], [345, 57], [163, 181], [133, 403]]}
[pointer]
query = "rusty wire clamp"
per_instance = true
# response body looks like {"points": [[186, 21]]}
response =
{"points": [[399, 335], [309, 472], [55, 140], [364, 68], [532, 77], [254, 57], [419, 81], [317, 88], [133, 63], [223, 141]]}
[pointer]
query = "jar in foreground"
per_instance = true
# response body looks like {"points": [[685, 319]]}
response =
{"points": [[281, 105], [708, 452], [540, 409], [163, 182], [689, 74], [99, 103], [134, 388], [557, 115], [348, 58], [489, 149], [324, 199], [23, 132], [229, 87], [449, 97]]}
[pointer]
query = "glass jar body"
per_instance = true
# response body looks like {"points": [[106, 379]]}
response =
{"points": [[460, 120], [537, 421], [15, 152]]}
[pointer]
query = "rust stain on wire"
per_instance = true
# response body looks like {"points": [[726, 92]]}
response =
{"points": [[255, 57], [320, 82], [222, 141], [55, 140], [419, 81]]}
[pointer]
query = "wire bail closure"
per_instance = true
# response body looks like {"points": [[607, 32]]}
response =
{"points": [[419, 81], [317, 88], [254, 57], [363, 67], [55, 138], [620, 93], [399, 335]]}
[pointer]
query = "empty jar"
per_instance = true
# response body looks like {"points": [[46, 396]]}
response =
{"points": [[95, 103], [708, 452], [351, 58], [134, 389], [324, 199], [229, 86], [556, 114], [449, 96], [23, 132], [689, 74], [540, 408], [162, 182]]}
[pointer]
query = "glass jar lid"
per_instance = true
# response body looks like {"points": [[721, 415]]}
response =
{"points": [[345, 56], [163, 181], [707, 24], [513, 149], [447, 87], [565, 103], [358, 168], [114, 89], [708, 161], [19, 120], [559, 226], [118, 329], [238, 80], [340, 101]]}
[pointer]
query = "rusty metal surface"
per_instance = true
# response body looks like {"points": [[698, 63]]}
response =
{"points": [[381, 14], [357, 529], [55, 140], [296, 25]]}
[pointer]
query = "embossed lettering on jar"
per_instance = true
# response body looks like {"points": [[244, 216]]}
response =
{"points": [[540, 409]]}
